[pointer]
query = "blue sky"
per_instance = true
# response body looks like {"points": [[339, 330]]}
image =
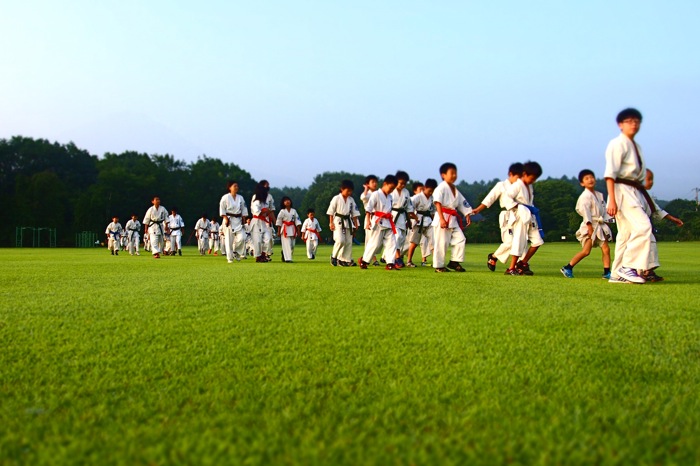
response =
{"points": [[288, 90]]}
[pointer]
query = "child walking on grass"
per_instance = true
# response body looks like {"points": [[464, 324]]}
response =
{"points": [[594, 231]]}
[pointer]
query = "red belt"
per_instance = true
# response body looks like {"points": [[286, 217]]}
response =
{"points": [[264, 219], [452, 213], [289, 224], [388, 216], [312, 231]]}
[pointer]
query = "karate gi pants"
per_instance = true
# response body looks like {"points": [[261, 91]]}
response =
{"points": [[444, 238], [175, 241], [287, 247], [214, 244], [634, 232], [311, 246], [234, 242], [376, 238], [342, 247]]}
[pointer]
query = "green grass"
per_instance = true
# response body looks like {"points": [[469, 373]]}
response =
{"points": [[130, 360]]}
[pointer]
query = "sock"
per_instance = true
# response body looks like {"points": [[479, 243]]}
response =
{"points": [[569, 267], [606, 270]]}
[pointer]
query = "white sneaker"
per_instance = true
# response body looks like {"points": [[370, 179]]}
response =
{"points": [[630, 275], [619, 280]]}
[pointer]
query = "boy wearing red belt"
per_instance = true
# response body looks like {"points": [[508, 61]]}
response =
{"points": [[381, 230], [447, 226]]}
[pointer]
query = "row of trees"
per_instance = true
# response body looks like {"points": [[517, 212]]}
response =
{"points": [[44, 184]]}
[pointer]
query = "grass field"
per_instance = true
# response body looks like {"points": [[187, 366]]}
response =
{"points": [[190, 360]]}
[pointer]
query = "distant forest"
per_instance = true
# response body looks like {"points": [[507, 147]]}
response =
{"points": [[61, 186]]}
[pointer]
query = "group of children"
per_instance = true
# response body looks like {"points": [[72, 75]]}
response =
{"points": [[433, 218]]}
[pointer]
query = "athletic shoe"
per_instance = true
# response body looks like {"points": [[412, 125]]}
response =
{"points": [[344, 264], [651, 276], [410, 265], [156, 256], [376, 263], [210, 251], [138, 254], [456, 266], [352, 263], [424, 264], [619, 280], [112, 252], [513, 271], [363, 264], [229, 261], [216, 253], [116, 253], [606, 276], [260, 258], [392, 267], [630, 275], [382, 260], [441, 270], [491, 262], [524, 268], [568, 273], [179, 252], [334, 262], [399, 263], [313, 256]]}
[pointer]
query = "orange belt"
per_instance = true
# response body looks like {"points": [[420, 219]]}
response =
{"points": [[389, 217], [289, 224], [264, 219], [312, 231], [452, 213]]}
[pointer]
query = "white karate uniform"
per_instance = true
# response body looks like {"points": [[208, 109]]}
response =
{"points": [[289, 221], [146, 241], [133, 229], [344, 227], [421, 233], [634, 231], [520, 220], [591, 207], [497, 193], [270, 242], [214, 236], [155, 221], [402, 206], [233, 233], [312, 229], [452, 236], [202, 231], [176, 224], [380, 233], [114, 232], [259, 229]]}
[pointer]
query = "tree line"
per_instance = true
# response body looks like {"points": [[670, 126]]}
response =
{"points": [[45, 184]]}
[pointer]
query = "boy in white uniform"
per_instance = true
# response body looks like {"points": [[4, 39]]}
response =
{"points": [[403, 212], [288, 224], [497, 193], [154, 223], [447, 229], [233, 212], [628, 200], [370, 186], [260, 224], [310, 230], [523, 220], [201, 229], [381, 227], [269, 204], [175, 226], [133, 227], [594, 231], [422, 233], [343, 214], [214, 236], [114, 231]]}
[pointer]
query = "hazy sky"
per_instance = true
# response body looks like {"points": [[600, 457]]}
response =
{"points": [[290, 89]]}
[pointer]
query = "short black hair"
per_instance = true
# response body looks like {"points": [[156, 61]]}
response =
{"points": [[629, 113], [431, 183], [532, 168], [516, 168], [310, 211], [174, 209], [391, 179], [446, 166], [347, 184], [284, 198], [369, 178], [417, 185], [583, 173], [230, 183], [204, 216], [402, 175]]}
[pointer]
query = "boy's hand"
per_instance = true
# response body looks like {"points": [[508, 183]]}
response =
{"points": [[675, 220], [443, 223], [612, 207], [332, 227], [468, 218], [590, 230]]}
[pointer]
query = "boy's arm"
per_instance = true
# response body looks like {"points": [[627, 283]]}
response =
{"points": [[478, 209], [438, 208], [330, 223], [612, 203], [675, 220], [368, 220]]}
